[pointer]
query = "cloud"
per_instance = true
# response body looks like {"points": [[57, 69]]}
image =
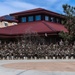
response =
{"points": [[20, 4], [56, 5], [4, 9], [10, 6]]}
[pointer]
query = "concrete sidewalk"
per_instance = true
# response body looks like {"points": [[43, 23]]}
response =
{"points": [[8, 71]]}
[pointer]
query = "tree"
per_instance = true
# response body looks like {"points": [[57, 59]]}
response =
{"points": [[69, 22]]}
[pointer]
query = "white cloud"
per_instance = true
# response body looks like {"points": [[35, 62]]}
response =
{"points": [[20, 4], [56, 5], [10, 6], [4, 9]]}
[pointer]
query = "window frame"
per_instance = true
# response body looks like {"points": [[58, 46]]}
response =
{"points": [[23, 19], [52, 19], [46, 18], [30, 18], [6, 24], [38, 17]]}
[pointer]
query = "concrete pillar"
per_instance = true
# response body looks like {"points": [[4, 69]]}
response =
{"points": [[35, 58], [7, 57], [12, 57], [46, 57]]}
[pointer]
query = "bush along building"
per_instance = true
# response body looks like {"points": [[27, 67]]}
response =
{"points": [[45, 23]]}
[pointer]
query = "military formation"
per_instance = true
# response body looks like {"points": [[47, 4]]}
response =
{"points": [[31, 50]]}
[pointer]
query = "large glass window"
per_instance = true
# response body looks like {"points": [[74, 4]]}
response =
{"points": [[30, 18], [57, 20], [47, 18], [51, 19], [6, 24], [23, 19], [38, 17]]}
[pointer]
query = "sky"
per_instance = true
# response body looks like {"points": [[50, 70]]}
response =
{"points": [[12, 6]]}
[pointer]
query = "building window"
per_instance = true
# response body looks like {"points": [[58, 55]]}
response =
{"points": [[6, 24], [30, 18], [38, 17], [23, 19], [47, 18], [51, 19], [57, 20]]}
